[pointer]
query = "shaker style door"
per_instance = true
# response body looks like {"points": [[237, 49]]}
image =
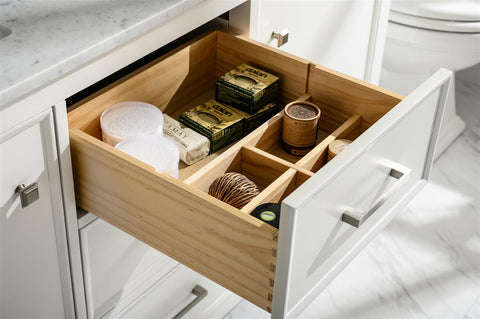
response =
{"points": [[334, 214], [34, 271]]}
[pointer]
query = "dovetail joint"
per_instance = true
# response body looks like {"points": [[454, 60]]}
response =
{"points": [[271, 282], [272, 267], [270, 297], [274, 252]]}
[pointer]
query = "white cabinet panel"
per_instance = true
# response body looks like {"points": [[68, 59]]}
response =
{"points": [[117, 267], [347, 36], [34, 274]]}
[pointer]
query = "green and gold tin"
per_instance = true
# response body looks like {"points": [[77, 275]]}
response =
{"points": [[252, 121], [247, 88], [220, 123]]}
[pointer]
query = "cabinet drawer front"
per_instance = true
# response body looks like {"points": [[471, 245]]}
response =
{"points": [[358, 180], [171, 294], [117, 266]]}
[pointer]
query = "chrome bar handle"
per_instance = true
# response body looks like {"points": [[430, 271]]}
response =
{"points": [[357, 218], [200, 293]]}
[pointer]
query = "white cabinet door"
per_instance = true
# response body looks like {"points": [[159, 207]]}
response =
{"points": [[117, 268], [347, 36], [370, 181], [34, 272]]}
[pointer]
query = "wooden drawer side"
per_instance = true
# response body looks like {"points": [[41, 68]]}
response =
{"points": [[209, 236], [341, 96], [169, 83]]}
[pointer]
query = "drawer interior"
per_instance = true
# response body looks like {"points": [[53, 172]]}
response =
{"points": [[177, 216]]}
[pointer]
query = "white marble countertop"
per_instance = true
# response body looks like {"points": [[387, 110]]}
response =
{"points": [[52, 38]]}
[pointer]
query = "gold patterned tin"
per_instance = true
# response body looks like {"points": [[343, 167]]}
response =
{"points": [[247, 88], [252, 121], [220, 123]]}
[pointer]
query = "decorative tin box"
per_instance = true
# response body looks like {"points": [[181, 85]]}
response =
{"points": [[252, 121], [219, 123], [247, 88]]}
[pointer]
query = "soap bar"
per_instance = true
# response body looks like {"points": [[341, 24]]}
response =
{"points": [[192, 146], [252, 121], [220, 123], [247, 88]]}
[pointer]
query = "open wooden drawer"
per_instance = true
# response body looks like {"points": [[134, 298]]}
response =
{"points": [[280, 270]]}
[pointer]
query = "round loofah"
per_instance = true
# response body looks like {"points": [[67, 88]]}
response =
{"points": [[234, 189]]}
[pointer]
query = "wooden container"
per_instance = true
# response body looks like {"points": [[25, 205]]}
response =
{"points": [[300, 127], [336, 147]]}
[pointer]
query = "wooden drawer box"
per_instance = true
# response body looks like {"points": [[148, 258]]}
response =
{"points": [[262, 264]]}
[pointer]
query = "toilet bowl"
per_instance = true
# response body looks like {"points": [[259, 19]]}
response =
{"points": [[423, 36]]}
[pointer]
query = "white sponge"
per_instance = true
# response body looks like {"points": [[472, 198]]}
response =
{"points": [[131, 118], [154, 150]]}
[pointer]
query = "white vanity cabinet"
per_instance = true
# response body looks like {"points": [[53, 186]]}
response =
{"points": [[208, 243], [347, 36], [34, 267]]}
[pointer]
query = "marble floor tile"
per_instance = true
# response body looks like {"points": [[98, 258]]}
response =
{"points": [[474, 311], [426, 263]]}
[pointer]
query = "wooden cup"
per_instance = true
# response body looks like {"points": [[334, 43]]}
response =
{"points": [[300, 123], [335, 147]]}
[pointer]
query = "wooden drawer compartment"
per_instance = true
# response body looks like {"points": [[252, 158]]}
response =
{"points": [[177, 216]]}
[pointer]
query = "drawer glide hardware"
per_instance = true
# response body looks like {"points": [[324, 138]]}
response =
{"points": [[357, 218]]}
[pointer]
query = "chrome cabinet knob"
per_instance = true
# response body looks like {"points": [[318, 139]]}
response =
{"points": [[28, 194], [282, 37]]}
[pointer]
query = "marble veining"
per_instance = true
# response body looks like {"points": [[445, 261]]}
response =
{"points": [[51, 38], [426, 263]]}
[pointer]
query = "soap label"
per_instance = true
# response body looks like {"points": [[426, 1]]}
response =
{"points": [[192, 145]]}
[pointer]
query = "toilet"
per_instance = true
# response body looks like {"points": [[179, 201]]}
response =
{"points": [[425, 35]]}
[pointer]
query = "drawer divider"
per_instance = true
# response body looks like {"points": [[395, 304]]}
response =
{"points": [[316, 158]]}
